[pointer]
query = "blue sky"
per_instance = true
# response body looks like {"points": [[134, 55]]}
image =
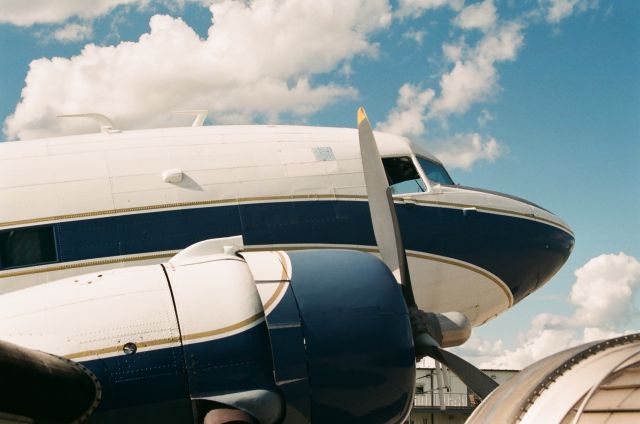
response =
{"points": [[537, 98]]}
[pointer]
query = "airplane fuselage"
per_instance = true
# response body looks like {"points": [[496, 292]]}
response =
{"points": [[85, 203]]}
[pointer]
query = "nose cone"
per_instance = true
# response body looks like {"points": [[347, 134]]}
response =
{"points": [[539, 252], [526, 248], [521, 243]]}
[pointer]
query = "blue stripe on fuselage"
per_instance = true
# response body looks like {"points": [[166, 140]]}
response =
{"points": [[523, 253], [168, 375]]}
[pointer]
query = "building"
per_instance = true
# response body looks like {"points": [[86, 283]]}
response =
{"points": [[451, 405]]}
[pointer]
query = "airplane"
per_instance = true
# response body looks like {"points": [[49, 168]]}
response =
{"points": [[87, 203], [219, 334]]}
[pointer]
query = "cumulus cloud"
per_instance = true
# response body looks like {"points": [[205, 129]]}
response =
{"points": [[471, 77], [27, 13], [474, 76], [417, 36], [256, 63], [477, 16], [485, 117], [407, 117], [415, 8], [557, 10], [73, 33], [464, 150], [604, 297], [604, 291]]}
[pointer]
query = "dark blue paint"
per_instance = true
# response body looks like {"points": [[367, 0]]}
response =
{"points": [[237, 363], [151, 377], [341, 332], [359, 347], [289, 357], [521, 252], [143, 233], [287, 339], [298, 401]]}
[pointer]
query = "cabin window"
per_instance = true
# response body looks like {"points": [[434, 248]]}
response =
{"points": [[27, 246], [402, 175], [435, 172]]}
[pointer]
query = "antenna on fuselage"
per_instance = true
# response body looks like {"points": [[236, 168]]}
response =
{"points": [[200, 114], [106, 125]]}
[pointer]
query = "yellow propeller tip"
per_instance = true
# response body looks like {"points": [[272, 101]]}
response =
{"points": [[362, 115]]}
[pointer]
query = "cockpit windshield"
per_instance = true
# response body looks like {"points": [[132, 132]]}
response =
{"points": [[435, 172], [402, 175]]}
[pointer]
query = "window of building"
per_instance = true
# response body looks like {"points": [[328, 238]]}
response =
{"points": [[435, 172], [27, 246], [402, 175]]}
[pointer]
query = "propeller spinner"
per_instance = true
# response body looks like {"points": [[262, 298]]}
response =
{"points": [[427, 327]]}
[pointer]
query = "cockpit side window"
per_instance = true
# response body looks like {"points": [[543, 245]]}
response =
{"points": [[435, 172], [402, 175], [27, 246]]}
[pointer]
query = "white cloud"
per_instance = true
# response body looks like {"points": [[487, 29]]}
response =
{"points": [[415, 8], [484, 118], [407, 117], [73, 33], [558, 10], [26, 13], [477, 16], [256, 63], [474, 76], [604, 291], [417, 36], [464, 150], [605, 298], [453, 51], [479, 351]]}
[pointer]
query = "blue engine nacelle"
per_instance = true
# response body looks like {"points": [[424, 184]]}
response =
{"points": [[341, 340]]}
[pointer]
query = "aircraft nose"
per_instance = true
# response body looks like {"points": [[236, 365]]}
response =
{"points": [[521, 244], [554, 245], [531, 251]]}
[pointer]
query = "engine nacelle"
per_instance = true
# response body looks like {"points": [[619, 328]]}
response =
{"points": [[167, 340], [341, 339]]}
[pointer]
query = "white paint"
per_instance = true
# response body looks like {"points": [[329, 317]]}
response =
{"points": [[92, 312], [214, 299], [172, 176]]}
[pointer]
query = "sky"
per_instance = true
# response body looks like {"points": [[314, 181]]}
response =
{"points": [[536, 98]]}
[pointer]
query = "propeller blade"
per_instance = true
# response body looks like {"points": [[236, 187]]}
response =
{"points": [[387, 233], [383, 212], [476, 380]]}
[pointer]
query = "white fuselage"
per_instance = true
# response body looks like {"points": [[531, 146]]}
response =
{"points": [[98, 193]]}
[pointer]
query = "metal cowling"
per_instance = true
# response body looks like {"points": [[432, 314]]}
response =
{"points": [[45, 387]]}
